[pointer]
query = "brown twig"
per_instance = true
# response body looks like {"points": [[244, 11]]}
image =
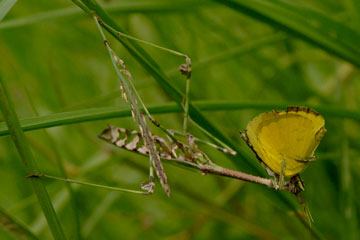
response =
{"points": [[208, 169], [291, 186]]}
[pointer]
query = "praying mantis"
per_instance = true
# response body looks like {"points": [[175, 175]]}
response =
{"points": [[170, 148]]}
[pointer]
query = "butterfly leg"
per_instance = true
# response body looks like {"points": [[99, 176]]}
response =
{"points": [[282, 174], [277, 180], [307, 159]]}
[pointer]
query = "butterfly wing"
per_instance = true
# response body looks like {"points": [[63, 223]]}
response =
{"points": [[292, 135]]}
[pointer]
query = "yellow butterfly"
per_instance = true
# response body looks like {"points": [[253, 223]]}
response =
{"points": [[285, 141]]}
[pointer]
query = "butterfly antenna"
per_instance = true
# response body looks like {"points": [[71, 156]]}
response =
{"points": [[244, 137]]}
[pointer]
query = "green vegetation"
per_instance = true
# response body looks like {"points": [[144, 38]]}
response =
{"points": [[248, 56]]}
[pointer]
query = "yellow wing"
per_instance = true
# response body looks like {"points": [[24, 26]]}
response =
{"points": [[292, 135]]}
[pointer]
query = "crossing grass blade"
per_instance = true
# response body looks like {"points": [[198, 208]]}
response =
{"points": [[93, 114]]}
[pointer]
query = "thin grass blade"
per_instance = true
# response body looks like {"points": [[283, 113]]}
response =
{"points": [[15, 228], [309, 25]]}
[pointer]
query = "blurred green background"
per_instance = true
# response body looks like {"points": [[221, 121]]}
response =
{"points": [[265, 54]]}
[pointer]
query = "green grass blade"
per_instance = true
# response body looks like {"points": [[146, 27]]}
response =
{"points": [[5, 6], [98, 213], [93, 114], [29, 162], [313, 27]]}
